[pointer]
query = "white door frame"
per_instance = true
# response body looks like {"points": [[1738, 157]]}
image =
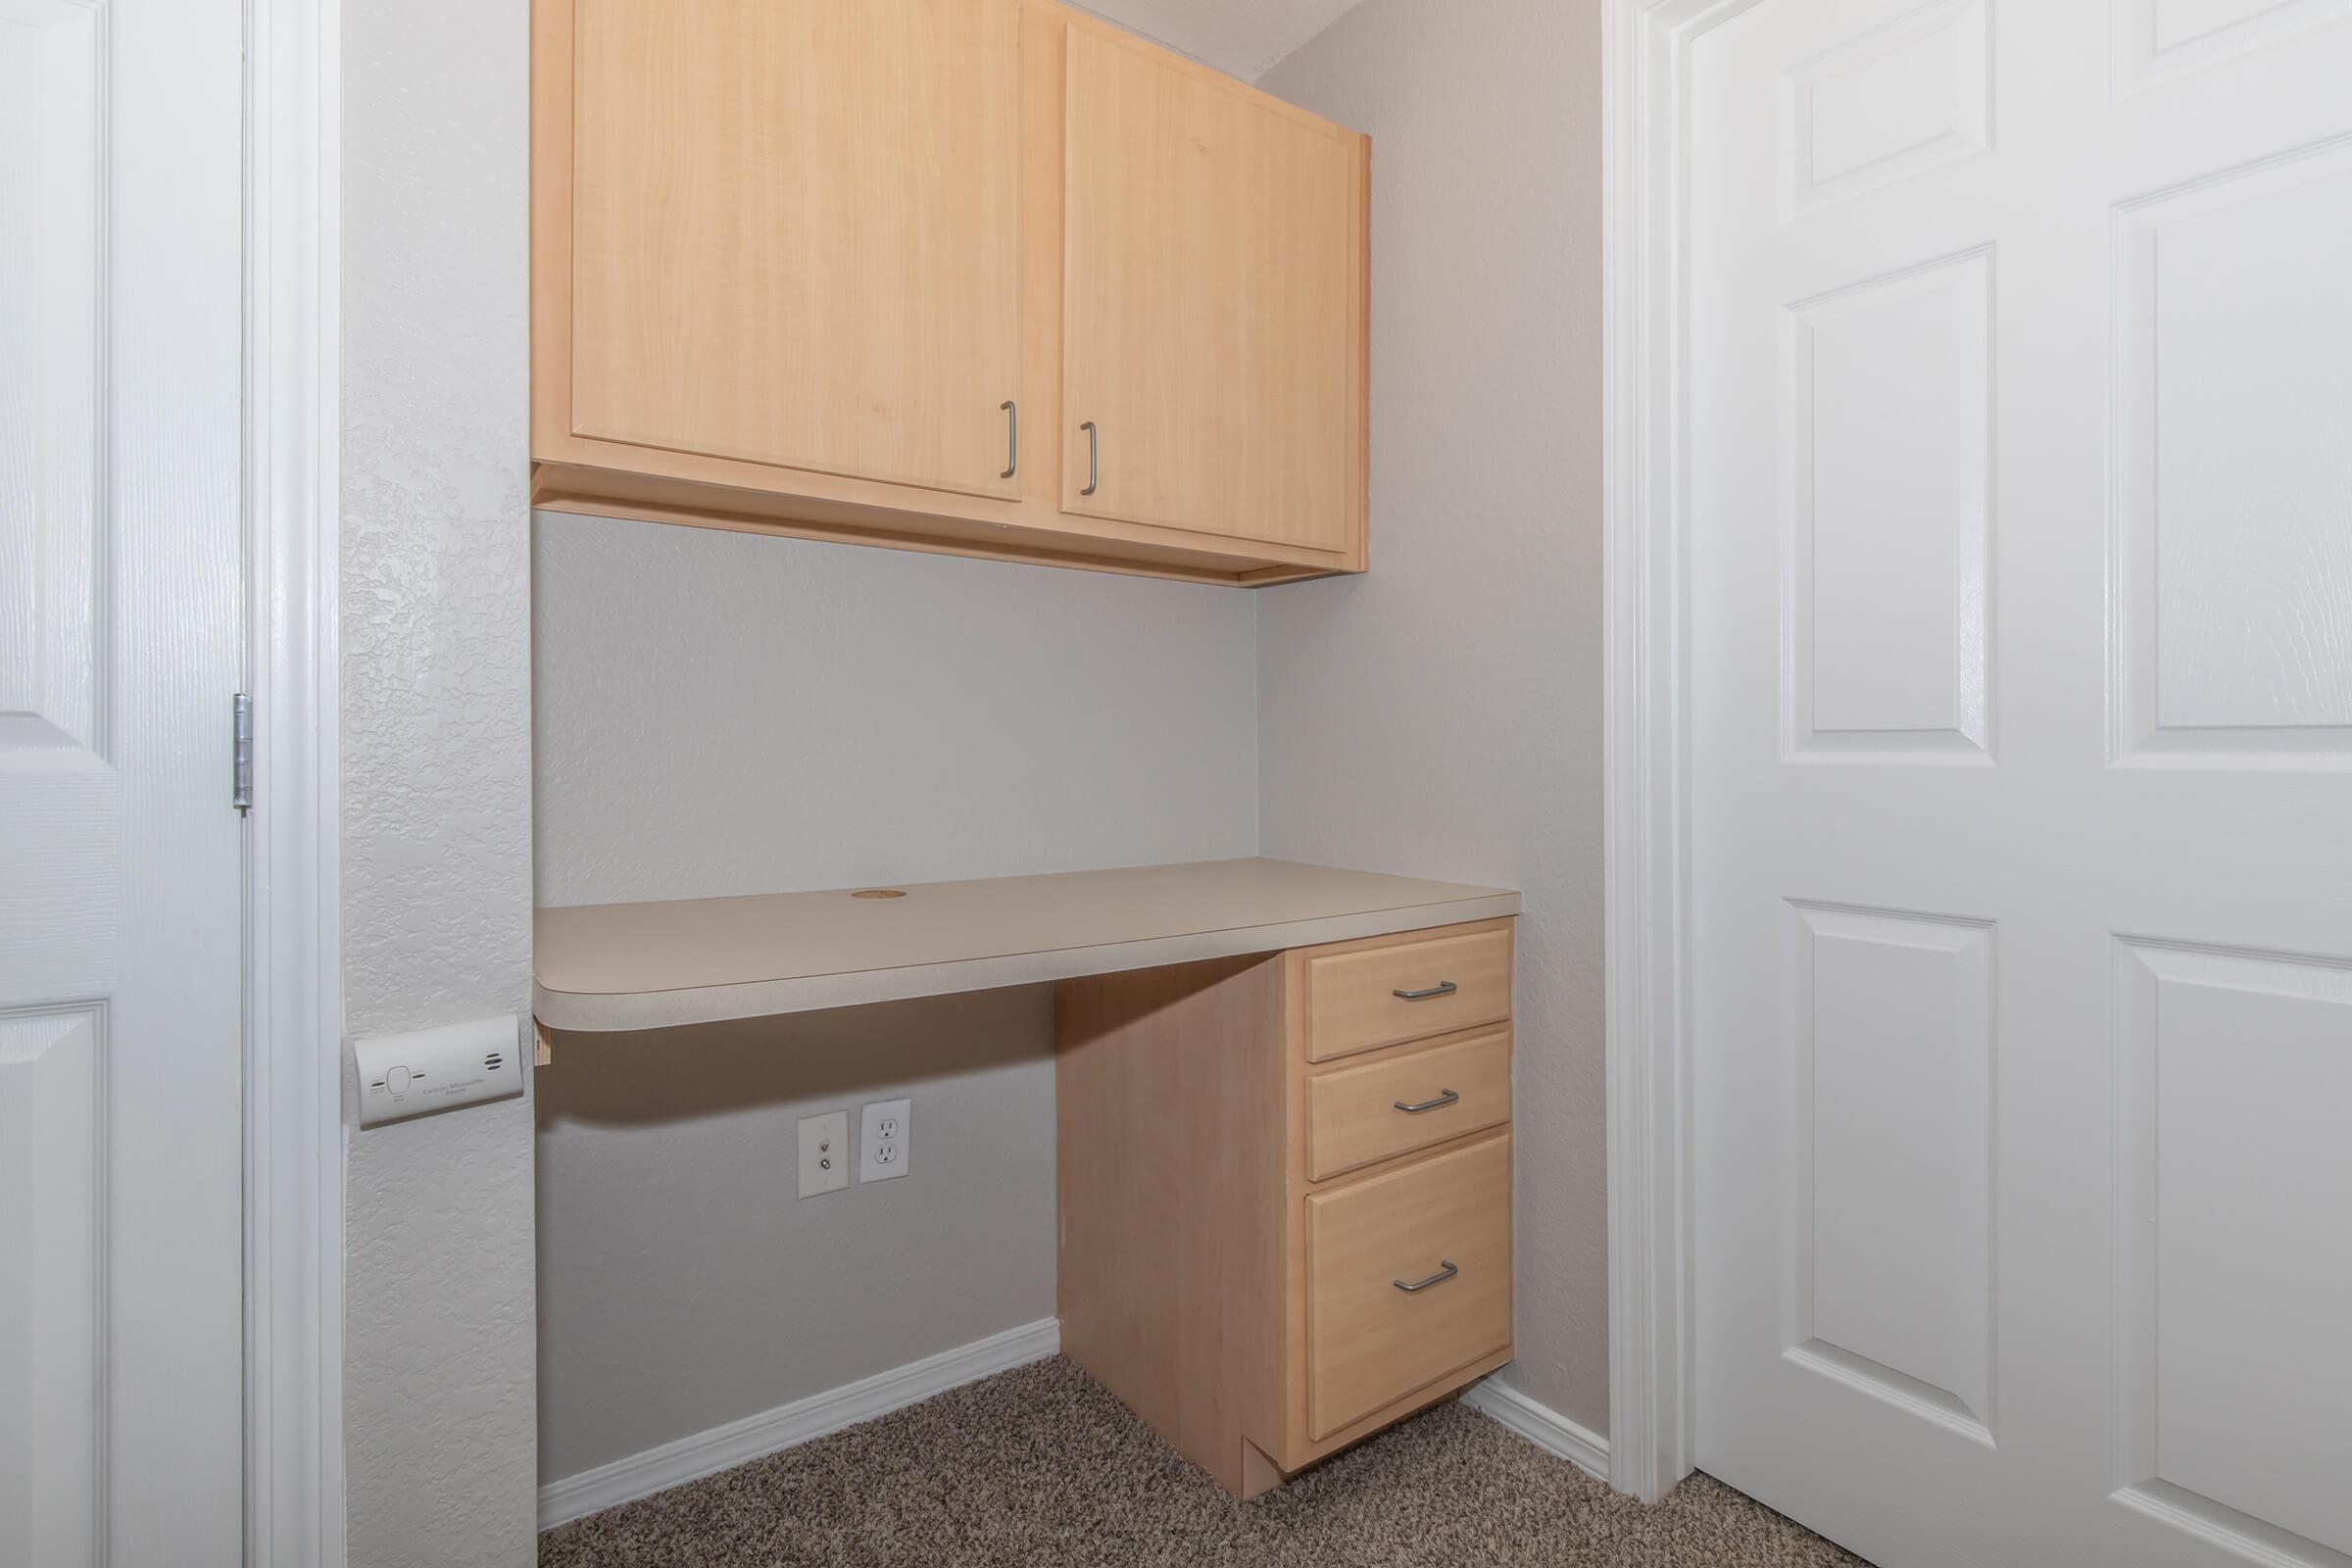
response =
{"points": [[294, 1136], [1646, 780]]}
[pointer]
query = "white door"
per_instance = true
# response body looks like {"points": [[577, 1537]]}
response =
{"points": [[2020, 461], [121, 586]]}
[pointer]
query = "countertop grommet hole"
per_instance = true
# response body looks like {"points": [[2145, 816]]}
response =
{"points": [[879, 892]]}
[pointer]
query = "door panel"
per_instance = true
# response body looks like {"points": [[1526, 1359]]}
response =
{"points": [[2233, 1069], [1890, 1271], [51, 1153], [1889, 103], [2228, 344], [797, 234], [1210, 272], [2022, 730], [2156, 40], [121, 1200], [1890, 528]]}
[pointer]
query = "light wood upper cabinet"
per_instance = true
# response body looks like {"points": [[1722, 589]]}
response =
{"points": [[793, 259], [1212, 292], [796, 234]]}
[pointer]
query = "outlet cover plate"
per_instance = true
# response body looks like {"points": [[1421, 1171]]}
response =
{"points": [[884, 1133], [824, 1152]]}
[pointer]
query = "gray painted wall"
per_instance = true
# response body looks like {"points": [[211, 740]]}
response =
{"points": [[723, 712], [438, 1391], [1440, 716], [718, 713], [684, 1284]]}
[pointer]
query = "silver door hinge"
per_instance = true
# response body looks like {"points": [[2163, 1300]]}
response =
{"points": [[240, 782]]}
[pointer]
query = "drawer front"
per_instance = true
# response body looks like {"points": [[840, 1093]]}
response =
{"points": [[1363, 1000], [1370, 1342], [1397, 1103]]}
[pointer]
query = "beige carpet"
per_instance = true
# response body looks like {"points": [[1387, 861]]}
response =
{"points": [[1040, 1467]]}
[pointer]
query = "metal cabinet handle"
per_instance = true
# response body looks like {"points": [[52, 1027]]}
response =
{"points": [[1012, 439], [1443, 988], [1445, 1097], [1445, 1271], [1094, 451]]}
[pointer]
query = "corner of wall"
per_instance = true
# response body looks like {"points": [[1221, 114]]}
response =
{"points": [[1440, 716], [440, 1382]]}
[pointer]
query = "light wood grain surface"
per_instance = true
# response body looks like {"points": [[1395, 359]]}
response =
{"points": [[790, 259], [1365, 999], [1168, 1111], [1354, 1114], [1231, 1299], [1287, 1439], [650, 965], [771, 261], [1367, 1338], [1209, 266]]}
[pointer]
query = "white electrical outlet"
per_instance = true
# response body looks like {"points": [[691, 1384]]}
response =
{"points": [[883, 1132], [824, 1152]]}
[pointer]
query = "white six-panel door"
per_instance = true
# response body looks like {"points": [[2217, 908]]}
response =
{"points": [[120, 222], [2020, 465]]}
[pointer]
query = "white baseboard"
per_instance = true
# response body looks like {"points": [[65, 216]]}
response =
{"points": [[1543, 1426], [738, 1442]]}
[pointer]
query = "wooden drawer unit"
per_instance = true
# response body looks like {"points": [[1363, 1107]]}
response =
{"points": [[1360, 997], [1403, 1101], [1236, 1217], [1409, 1277]]}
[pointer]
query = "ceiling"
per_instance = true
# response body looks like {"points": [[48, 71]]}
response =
{"points": [[1241, 38]]}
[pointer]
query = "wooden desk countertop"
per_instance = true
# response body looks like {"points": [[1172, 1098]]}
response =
{"points": [[611, 967]]}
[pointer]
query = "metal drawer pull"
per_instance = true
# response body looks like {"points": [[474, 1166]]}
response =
{"points": [[1445, 1271], [1445, 1097], [1012, 439], [1094, 450], [1443, 988]]}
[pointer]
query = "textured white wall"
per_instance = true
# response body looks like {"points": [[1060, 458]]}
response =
{"points": [[439, 1409], [720, 713], [1440, 716]]}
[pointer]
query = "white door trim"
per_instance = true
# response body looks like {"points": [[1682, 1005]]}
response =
{"points": [[294, 1515], [1645, 802]]}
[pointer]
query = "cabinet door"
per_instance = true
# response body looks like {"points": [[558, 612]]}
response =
{"points": [[796, 230], [1212, 285]]}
